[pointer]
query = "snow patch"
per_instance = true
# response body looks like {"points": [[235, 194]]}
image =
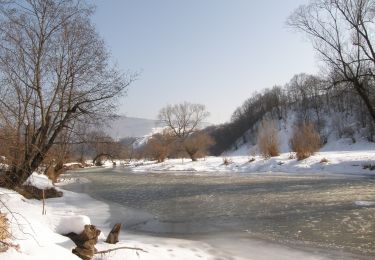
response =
{"points": [[39, 180], [73, 224]]}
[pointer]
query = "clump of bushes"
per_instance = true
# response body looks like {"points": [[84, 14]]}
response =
{"points": [[268, 139], [305, 141], [159, 146]]}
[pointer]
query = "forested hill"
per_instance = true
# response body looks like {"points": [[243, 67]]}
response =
{"points": [[335, 110]]}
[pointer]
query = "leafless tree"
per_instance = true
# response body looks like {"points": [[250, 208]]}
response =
{"points": [[183, 119], [54, 70], [342, 33]]}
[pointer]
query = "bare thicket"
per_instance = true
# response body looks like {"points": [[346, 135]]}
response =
{"points": [[4, 232], [160, 145], [183, 120], [341, 31], [268, 139], [54, 72], [197, 144], [305, 141]]}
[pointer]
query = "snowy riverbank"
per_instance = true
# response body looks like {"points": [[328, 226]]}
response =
{"points": [[39, 236], [337, 157]]}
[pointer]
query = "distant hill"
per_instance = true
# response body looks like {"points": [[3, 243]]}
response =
{"points": [[130, 127]]}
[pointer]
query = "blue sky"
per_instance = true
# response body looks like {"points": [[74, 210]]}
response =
{"points": [[214, 52]]}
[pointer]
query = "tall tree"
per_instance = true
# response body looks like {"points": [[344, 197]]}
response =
{"points": [[342, 33], [54, 69]]}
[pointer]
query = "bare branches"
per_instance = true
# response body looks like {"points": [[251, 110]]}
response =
{"points": [[184, 118], [56, 69], [342, 32], [122, 247]]}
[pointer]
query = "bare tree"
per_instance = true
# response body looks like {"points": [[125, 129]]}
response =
{"points": [[342, 33], [54, 70], [183, 119]]}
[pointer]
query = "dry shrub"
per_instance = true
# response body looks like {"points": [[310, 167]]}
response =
{"points": [[4, 233], [227, 161], [291, 156], [324, 160], [159, 146], [305, 141], [197, 144], [268, 138]]}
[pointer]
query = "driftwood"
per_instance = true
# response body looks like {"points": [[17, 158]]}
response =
{"points": [[122, 247], [114, 234]]}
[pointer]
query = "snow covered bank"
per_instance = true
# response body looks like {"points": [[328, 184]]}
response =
{"points": [[336, 157]]}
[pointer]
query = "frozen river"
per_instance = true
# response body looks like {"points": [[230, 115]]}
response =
{"points": [[333, 214]]}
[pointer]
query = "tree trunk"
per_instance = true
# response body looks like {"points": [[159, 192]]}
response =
{"points": [[366, 100]]}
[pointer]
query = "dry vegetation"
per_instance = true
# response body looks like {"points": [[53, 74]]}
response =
{"points": [[197, 144], [268, 140], [4, 232], [227, 161], [305, 141]]}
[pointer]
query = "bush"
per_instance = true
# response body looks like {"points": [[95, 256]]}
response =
{"points": [[4, 233], [197, 144], [324, 160], [159, 146], [305, 141], [227, 161], [268, 139]]}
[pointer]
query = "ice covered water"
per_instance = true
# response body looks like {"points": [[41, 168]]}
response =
{"points": [[326, 211]]}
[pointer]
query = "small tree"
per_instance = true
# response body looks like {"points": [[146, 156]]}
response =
{"points": [[305, 141], [268, 138]]}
